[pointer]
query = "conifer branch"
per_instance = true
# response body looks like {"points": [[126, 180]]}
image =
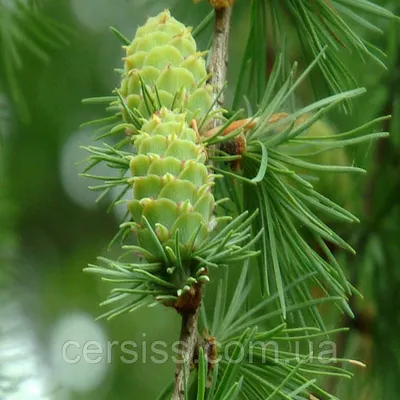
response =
{"points": [[219, 53], [218, 68], [173, 210], [187, 344]]}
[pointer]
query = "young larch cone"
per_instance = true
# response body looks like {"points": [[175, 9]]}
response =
{"points": [[171, 185], [166, 107], [163, 56]]}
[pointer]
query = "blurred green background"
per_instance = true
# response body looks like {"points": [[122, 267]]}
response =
{"points": [[51, 227]]}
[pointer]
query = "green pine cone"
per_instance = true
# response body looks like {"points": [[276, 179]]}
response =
{"points": [[171, 185], [164, 99], [163, 57]]}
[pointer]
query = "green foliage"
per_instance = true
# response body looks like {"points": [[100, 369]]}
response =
{"points": [[248, 360], [275, 182], [289, 199], [319, 24], [24, 28], [171, 278]]}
